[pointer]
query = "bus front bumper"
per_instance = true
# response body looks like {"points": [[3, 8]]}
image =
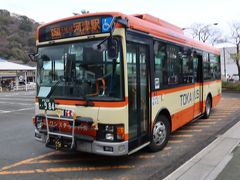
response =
{"points": [[96, 147], [104, 148]]}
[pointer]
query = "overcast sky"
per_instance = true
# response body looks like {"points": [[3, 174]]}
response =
{"points": [[179, 12]]}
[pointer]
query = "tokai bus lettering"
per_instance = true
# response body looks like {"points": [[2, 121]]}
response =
{"points": [[188, 98], [196, 94]]}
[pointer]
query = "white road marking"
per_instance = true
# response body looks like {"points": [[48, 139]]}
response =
{"points": [[18, 99], [23, 109], [3, 111], [7, 102]]}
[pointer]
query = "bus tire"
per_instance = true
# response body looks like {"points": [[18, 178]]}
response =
{"points": [[160, 134], [208, 107]]}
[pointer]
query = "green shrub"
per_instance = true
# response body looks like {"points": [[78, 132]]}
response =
{"points": [[235, 86]]}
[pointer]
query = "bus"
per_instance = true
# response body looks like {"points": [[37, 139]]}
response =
{"points": [[112, 84]]}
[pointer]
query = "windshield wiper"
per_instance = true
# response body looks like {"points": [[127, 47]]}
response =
{"points": [[53, 88]]}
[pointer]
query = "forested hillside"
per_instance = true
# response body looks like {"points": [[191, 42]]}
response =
{"points": [[17, 36]]}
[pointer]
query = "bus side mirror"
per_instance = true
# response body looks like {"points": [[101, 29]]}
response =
{"points": [[32, 57], [112, 48]]}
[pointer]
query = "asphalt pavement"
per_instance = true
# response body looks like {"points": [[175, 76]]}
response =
{"points": [[22, 157], [220, 160]]}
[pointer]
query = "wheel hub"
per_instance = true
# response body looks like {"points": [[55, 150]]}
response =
{"points": [[159, 133]]}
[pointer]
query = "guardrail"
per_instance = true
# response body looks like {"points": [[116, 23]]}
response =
{"points": [[24, 87], [19, 88]]}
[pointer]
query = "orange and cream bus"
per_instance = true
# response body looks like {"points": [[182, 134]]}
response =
{"points": [[111, 84]]}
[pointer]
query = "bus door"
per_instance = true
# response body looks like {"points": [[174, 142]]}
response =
{"points": [[138, 100], [198, 88]]}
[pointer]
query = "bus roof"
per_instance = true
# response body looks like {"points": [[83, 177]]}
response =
{"points": [[152, 26]]}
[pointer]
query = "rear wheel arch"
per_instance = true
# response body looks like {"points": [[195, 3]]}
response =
{"points": [[166, 113], [208, 106]]}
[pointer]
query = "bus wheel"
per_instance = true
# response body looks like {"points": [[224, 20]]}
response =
{"points": [[208, 107], [160, 134]]}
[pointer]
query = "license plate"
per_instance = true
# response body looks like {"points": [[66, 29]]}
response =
{"points": [[46, 104]]}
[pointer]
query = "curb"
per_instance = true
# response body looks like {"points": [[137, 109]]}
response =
{"points": [[210, 162]]}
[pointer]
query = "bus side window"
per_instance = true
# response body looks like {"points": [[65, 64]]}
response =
{"points": [[187, 66], [206, 67], [174, 66], [160, 65], [215, 71]]}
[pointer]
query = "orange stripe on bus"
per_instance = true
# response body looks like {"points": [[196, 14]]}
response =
{"points": [[96, 103], [183, 117], [216, 100]]}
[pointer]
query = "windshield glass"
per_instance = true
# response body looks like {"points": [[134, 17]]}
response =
{"points": [[80, 70]]}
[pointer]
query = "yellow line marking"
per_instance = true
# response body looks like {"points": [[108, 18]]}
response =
{"points": [[189, 130], [18, 172], [197, 127], [55, 161], [26, 161], [206, 120], [175, 141], [218, 116], [212, 119], [167, 148], [146, 156], [204, 123], [125, 178], [63, 169], [181, 135]]}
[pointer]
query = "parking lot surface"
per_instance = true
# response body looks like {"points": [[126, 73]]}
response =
{"points": [[21, 157]]}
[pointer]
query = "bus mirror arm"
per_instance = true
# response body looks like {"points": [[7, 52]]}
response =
{"points": [[32, 56], [123, 22], [111, 31], [116, 19]]}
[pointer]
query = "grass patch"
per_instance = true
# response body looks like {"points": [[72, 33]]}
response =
{"points": [[234, 86]]}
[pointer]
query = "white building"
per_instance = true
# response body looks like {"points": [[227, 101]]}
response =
{"points": [[228, 66], [14, 75]]}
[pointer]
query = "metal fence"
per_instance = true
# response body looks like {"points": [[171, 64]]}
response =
{"points": [[18, 88]]}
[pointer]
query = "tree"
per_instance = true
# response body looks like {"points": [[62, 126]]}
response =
{"points": [[235, 39], [204, 33], [25, 24]]}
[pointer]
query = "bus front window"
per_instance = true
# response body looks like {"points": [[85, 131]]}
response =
{"points": [[80, 70]]}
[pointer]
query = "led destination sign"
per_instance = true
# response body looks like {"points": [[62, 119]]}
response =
{"points": [[74, 28]]}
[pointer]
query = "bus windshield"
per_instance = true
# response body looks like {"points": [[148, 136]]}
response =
{"points": [[80, 70]]}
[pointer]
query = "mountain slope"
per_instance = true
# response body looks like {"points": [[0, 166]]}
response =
{"points": [[17, 36]]}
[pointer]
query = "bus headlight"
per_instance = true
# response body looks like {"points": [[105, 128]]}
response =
{"points": [[109, 136], [109, 128], [39, 125], [39, 122], [111, 132]]}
